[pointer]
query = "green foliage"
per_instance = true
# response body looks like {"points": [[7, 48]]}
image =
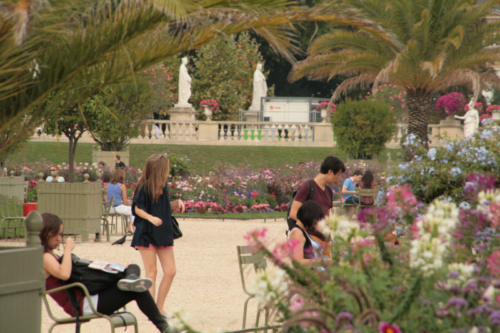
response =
{"points": [[178, 165], [363, 127], [223, 70], [117, 115], [265, 198]]}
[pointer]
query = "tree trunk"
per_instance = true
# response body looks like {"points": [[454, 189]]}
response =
{"points": [[72, 146], [419, 103]]}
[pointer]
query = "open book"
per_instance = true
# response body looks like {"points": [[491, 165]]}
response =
{"points": [[108, 267]]}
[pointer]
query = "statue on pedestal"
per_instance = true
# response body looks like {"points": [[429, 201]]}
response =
{"points": [[471, 120], [259, 88], [184, 86]]}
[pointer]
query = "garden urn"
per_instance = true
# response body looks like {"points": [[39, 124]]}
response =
{"points": [[208, 113], [323, 115]]}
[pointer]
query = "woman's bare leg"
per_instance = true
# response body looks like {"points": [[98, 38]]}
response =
{"points": [[167, 261], [149, 260]]}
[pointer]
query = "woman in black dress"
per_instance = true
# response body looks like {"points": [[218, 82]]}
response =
{"points": [[153, 236]]}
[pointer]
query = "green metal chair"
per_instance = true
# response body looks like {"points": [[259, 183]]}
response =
{"points": [[104, 216], [247, 257], [366, 192], [116, 320], [14, 216]]}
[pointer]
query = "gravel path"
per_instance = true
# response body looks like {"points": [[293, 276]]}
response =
{"points": [[207, 285]]}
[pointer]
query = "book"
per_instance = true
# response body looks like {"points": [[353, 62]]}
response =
{"points": [[108, 267]]}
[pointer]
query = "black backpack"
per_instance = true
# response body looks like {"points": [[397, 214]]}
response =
{"points": [[312, 188]]}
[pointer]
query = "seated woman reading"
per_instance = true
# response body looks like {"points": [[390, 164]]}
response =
{"points": [[131, 288], [309, 251]]}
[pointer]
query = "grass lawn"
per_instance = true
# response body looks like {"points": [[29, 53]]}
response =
{"points": [[202, 157], [273, 215]]}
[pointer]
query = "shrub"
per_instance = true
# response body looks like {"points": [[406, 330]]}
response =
{"points": [[363, 127], [443, 171], [178, 165]]}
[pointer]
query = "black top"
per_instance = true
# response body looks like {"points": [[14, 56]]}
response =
{"points": [[146, 232], [120, 165]]}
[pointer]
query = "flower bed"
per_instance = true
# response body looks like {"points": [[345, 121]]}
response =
{"points": [[222, 191]]}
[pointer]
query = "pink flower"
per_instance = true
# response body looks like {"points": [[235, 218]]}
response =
{"points": [[296, 303], [494, 263], [256, 238], [284, 250], [385, 327], [255, 194]]}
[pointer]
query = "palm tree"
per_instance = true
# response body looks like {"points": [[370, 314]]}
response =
{"points": [[436, 45], [70, 49]]}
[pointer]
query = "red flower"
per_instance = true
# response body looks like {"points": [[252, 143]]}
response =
{"points": [[255, 194], [384, 327]]}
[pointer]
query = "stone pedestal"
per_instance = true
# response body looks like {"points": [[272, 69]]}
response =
{"points": [[108, 157], [208, 132], [184, 112], [451, 129], [323, 133], [252, 115]]}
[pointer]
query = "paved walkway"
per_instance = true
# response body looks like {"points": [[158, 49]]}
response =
{"points": [[207, 285]]}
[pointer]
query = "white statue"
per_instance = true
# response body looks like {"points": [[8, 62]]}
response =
{"points": [[471, 120], [184, 85], [488, 96], [259, 88]]}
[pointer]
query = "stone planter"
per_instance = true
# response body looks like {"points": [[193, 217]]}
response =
{"points": [[451, 128], [79, 205], [108, 157], [208, 113], [12, 187], [22, 282]]}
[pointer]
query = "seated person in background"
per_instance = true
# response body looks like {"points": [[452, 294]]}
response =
{"points": [[367, 183], [102, 165], [349, 188], [131, 288], [60, 179], [119, 164], [309, 251], [116, 188]]}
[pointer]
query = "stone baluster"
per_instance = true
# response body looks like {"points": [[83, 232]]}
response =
{"points": [[307, 133], [273, 133], [86, 177], [294, 132], [281, 135], [266, 132], [286, 133], [167, 131]]}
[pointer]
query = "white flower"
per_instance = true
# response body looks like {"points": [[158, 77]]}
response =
{"points": [[269, 285], [464, 273]]}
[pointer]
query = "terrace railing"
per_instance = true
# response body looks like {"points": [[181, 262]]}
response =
{"points": [[252, 133]]}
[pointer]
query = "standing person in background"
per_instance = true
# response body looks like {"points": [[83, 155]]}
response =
{"points": [[329, 173], [59, 179], [154, 232], [349, 188], [119, 164], [367, 183], [116, 188]]}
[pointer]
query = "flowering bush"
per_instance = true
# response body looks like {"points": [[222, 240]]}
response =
{"points": [[430, 284], [448, 167], [451, 103], [393, 96], [211, 104], [324, 105]]}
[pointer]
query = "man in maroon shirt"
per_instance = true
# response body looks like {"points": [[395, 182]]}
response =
{"points": [[329, 173]]}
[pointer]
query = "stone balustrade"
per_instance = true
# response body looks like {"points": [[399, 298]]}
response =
{"points": [[188, 132]]}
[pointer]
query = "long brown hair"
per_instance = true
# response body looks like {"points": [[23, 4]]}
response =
{"points": [[51, 226], [367, 179], [154, 176], [118, 176]]}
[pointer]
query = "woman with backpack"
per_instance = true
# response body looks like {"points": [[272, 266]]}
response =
{"points": [[130, 288], [309, 249], [154, 235]]}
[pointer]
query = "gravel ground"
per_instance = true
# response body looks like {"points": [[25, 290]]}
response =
{"points": [[207, 286]]}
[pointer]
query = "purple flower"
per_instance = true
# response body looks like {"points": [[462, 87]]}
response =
{"points": [[344, 316], [453, 274], [495, 317], [457, 302], [483, 308]]}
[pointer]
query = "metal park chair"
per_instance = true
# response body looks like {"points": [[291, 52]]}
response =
{"points": [[366, 192], [247, 257], [116, 320]]}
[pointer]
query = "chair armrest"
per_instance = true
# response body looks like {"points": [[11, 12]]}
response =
{"points": [[75, 284]]}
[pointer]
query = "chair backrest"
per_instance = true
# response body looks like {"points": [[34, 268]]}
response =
{"points": [[368, 192], [107, 208], [247, 257]]}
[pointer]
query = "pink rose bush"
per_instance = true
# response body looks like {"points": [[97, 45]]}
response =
{"points": [[451, 103]]}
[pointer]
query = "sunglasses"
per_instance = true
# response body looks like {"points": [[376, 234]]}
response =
{"points": [[53, 169]]}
